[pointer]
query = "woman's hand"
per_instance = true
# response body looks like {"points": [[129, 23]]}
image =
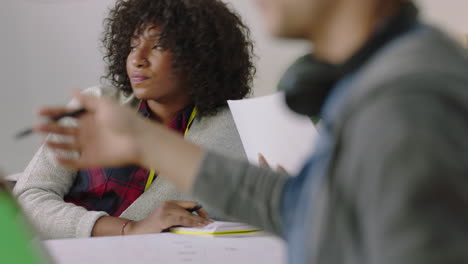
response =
{"points": [[171, 213]]}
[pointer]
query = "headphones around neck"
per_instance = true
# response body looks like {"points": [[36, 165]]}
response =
{"points": [[308, 81]]}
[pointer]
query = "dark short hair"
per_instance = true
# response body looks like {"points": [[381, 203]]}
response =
{"points": [[211, 45]]}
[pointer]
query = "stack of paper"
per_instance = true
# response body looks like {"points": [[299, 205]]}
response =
{"points": [[218, 228]]}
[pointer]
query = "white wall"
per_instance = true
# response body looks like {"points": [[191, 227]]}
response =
{"points": [[51, 46], [47, 48], [274, 55], [452, 15]]}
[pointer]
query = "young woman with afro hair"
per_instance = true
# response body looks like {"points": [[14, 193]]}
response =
{"points": [[176, 62]]}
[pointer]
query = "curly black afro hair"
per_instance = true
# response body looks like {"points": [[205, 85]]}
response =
{"points": [[211, 46]]}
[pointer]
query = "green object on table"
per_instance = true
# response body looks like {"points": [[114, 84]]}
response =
{"points": [[16, 245]]}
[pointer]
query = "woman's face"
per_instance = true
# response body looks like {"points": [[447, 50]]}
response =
{"points": [[149, 67]]}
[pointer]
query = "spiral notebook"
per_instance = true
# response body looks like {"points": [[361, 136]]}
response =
{"points": [[218, 228]]}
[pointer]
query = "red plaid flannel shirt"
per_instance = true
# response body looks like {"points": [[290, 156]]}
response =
{"points": [[114, 189]]}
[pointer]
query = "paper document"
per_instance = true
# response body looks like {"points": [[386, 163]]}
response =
{"points": [[218, 228], [168, 248], [266, 125]]}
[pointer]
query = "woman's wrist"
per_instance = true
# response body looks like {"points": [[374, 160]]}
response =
{"points": [[124, 225], [110, 226], [142, 227]]}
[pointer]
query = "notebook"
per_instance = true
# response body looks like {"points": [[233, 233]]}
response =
{"points": [[218, 228]]}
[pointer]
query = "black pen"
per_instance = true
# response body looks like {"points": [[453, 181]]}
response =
{"points": [[195, 208], [75, 113]]}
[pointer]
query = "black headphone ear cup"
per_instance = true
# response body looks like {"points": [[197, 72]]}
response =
{"points": [[308, 80], [306, 84]]}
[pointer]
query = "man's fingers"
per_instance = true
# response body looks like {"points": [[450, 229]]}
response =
{"points": [[56, 128], [63, 146], [262, 161], [53, 111], [69, 163], [280, 168]]}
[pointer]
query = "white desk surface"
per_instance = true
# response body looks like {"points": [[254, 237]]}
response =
{"points": [[169, 248]]}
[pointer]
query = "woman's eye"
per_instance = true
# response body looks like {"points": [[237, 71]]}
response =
{"points": [[157, 47], [133, 47]]}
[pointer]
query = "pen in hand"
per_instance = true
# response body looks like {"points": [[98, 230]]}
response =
{"points": [[75, 113], [195, 208]]}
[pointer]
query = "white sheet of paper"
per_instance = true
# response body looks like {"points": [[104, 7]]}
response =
{"points": [[266, 125], [168, 248]]}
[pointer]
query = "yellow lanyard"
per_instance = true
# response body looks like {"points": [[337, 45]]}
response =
{"points": [[152, 172]]}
